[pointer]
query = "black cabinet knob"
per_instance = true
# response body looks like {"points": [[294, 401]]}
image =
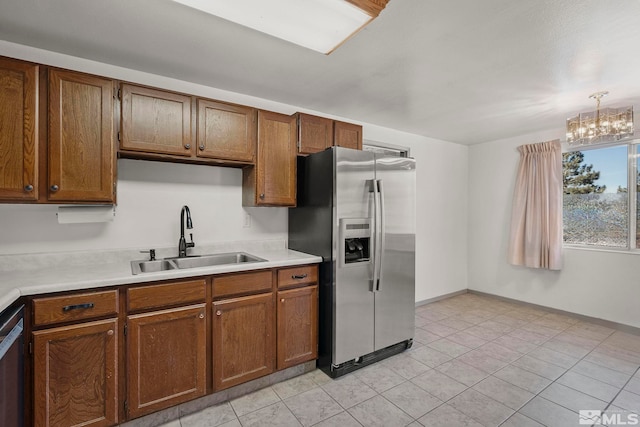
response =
{"points": [[28, 187], [54, 188]]}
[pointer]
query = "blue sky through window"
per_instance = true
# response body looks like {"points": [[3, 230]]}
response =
{"points": [[612, 164]]}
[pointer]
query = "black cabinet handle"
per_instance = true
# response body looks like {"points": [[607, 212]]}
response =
{"points": [[77, 306], [299, 276]]}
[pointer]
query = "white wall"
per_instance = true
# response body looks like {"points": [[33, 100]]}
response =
{"points": [[441, 211], [150, 197], [150, 194], [594, 283]]}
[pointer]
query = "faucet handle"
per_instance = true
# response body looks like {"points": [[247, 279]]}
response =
{"points": [[152, 254]]}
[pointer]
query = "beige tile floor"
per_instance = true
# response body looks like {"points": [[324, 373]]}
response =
{"points": [[476, 361]]}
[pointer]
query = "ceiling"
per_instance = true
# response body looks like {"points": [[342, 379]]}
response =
{"points": [[464, 71]]}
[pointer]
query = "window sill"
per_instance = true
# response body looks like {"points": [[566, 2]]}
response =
{"points": [[623, 251]]}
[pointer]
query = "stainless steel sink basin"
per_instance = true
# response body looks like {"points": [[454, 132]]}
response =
{"points": [[217, 259], [138, 267], [196, 261]]}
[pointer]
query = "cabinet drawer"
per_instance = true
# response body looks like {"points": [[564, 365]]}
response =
{"points": [[297, 276], [68, 308], [245, 283], [156, 296]]}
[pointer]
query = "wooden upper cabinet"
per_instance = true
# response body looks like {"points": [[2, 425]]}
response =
{"points": [[272, 182], [81, 148], [314, 133], [318, 133], [347, 135], [155, 121], [76, 375], [226, 131], [18, 130], [167, 362]]}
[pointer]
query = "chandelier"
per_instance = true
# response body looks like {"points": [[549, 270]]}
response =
{"points": [[600, 126]]}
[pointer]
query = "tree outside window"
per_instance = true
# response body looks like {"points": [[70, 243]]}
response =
{"points": [[596, 199]]}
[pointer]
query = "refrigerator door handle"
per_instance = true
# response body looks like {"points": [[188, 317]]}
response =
{"points": [[382, 234], [375, 234]]}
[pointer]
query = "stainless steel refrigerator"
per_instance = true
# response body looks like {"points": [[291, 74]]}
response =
{"points": [[356, 209]]}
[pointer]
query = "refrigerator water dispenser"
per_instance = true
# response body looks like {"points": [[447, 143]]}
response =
{"points": [[355, 236]]}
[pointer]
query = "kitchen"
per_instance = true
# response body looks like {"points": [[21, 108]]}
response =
{"points": [[456, 250]]}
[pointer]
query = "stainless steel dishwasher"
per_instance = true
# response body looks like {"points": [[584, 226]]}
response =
{"points": [[12, 368]]}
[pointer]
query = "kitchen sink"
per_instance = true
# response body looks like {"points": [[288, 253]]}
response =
{"points": [[217, 259], [138, 267], [194, 261]]}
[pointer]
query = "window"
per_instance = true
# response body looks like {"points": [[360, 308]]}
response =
{"points": [[597, 201], [386, 149]]}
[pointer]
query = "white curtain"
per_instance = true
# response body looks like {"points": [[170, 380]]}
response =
{"points": [[536, 216]]}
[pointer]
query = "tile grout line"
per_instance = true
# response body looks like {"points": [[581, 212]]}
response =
{"points": [[475, 307], [524, 354], [578, 360], [572, 366], [621, 390], [491, 373]]}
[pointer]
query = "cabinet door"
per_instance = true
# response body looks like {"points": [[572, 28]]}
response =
{"points": [[243, 339], [81, 149], [314, 133], [297, 326], [273, 180], [347, 135], [166, 358], [18, 130], [155, 121], [226, 132], [75, 375]]}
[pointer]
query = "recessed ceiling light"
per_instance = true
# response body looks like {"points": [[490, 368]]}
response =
{"points": [[321, 25]]}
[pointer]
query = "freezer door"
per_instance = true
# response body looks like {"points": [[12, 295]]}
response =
{"points": [[353, 321], [395, 294]]}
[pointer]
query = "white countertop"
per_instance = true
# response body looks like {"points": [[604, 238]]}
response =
{"points": [[43, 273]]}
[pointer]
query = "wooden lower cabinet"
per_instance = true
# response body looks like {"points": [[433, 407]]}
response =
{"points": [[243, 339], [297, 326], [166, 358], [76, 375], [158, 348]]}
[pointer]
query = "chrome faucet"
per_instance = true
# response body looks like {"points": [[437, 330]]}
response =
{"points": [[182, 243]]}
